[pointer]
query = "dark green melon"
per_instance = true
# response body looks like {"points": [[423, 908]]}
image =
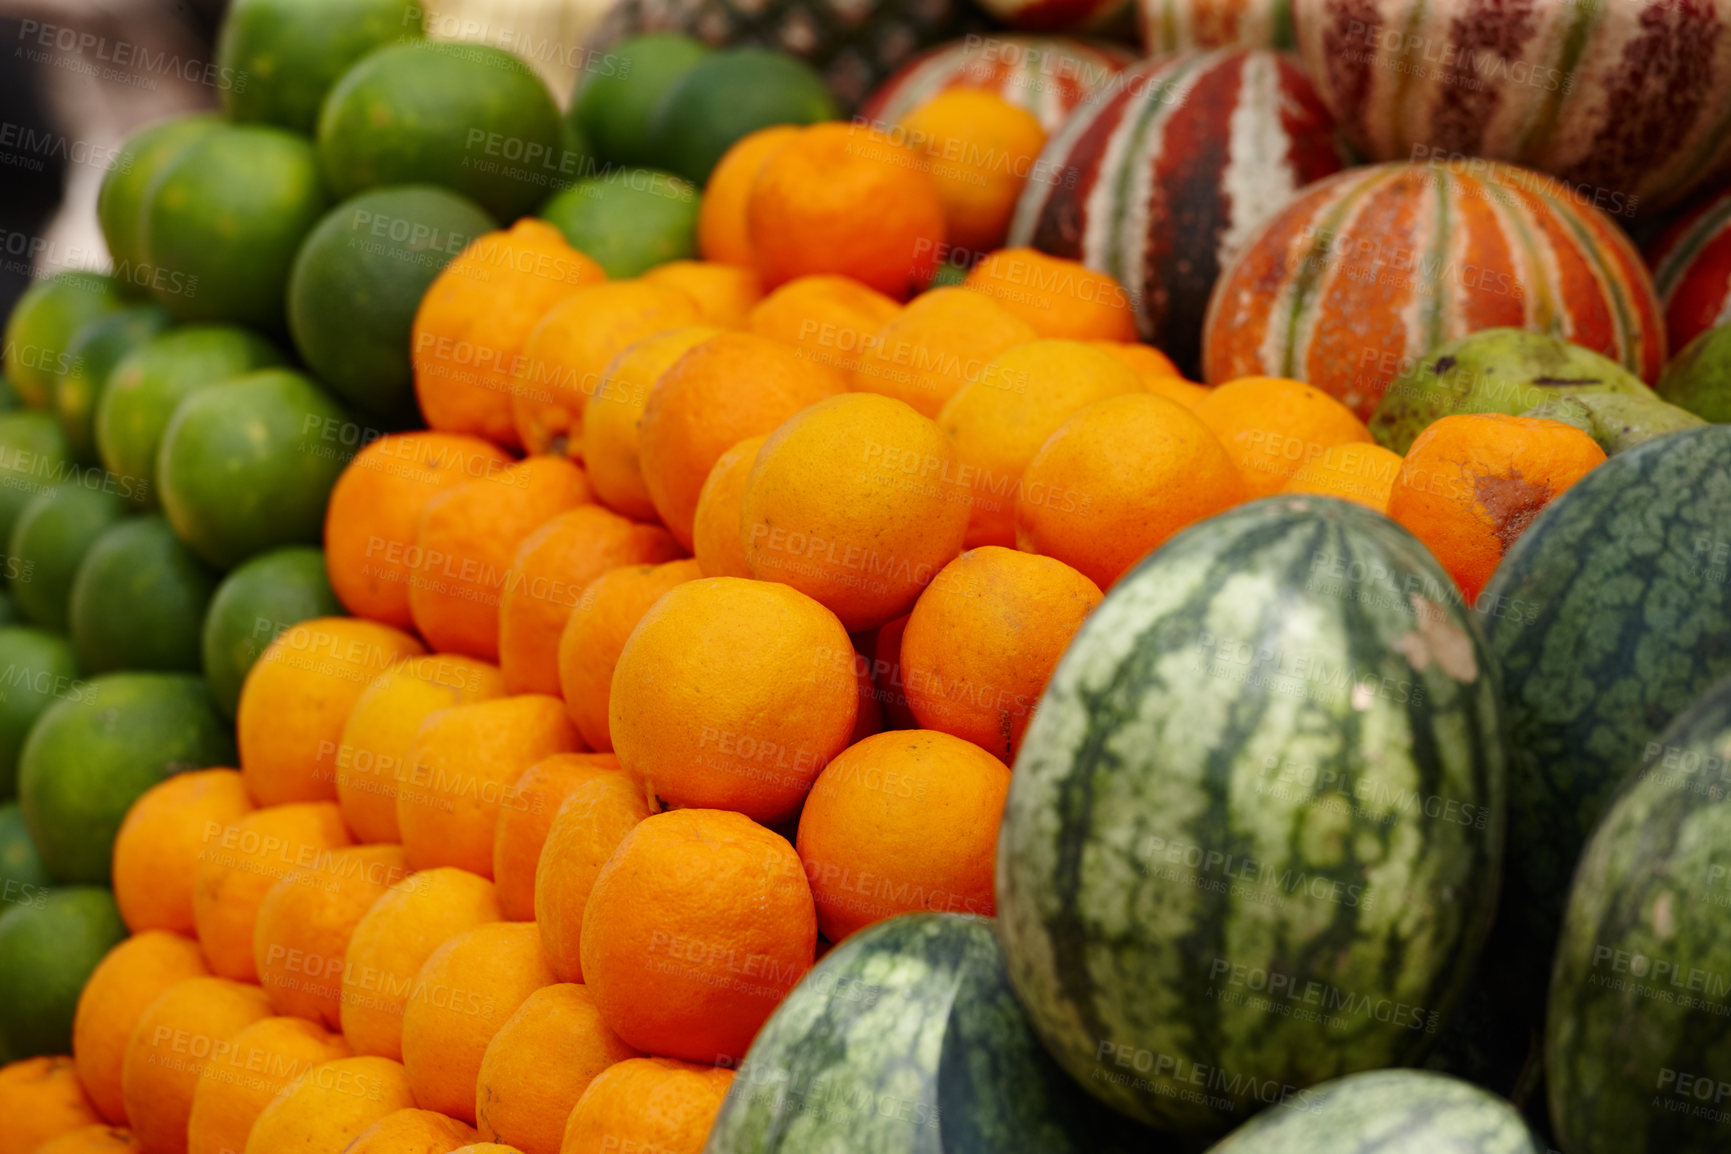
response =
{"points": [[1390, 1112], [1253, 834], [1638, 1033], [907, 1039]]}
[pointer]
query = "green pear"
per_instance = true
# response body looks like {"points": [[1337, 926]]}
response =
{"points": [[1616, 420], [1699, 377]]}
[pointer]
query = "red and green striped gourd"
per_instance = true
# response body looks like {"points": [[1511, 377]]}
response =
{"points": [[1691, 263], [1178, 25], [1168, 171], [1050, 76], [1628, 101], [1367, 271]]}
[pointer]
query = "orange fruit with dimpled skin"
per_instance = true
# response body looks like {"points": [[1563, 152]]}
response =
{"points": [[1000, 423], [295, 700], [236, 1087], [980, 150], [243, 863], [1062, 299], [887, 675], [722, 233], [552, 568], [715, 526], [610, 422], [942, 340], [462, 768], [595, 635], [1118, 479], [902, 822], [724, 292], [90, 1140], [1472, 483], [654, 1103], [394, 939], [305, 922], [469, 330], [375, 506], [567, 355], [412, 1131], [128, 979], [331, 1105], [592, 820], [831, 320], [733, 694], [857, 502], [845, 198], [40, 1098], [525, 818], [983, 640], [171, 1046], [162, 840], [538, 1065], [1272, 426], [728, 388], [466, 540], [373, 757], [1352, 472], [688, 894], [1147, 361]]}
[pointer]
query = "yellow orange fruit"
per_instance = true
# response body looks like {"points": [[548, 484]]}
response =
{"points": [[942, 340], [188, 1027], [1060, 298], [128, 979], [525, 817], [330, 1106], [715, 526], [722, 234], [652, 1103], [1272, 426], [40, 1099], [235, 1088], [162, 841], [724, 292], [980, 150], [592, 820]]}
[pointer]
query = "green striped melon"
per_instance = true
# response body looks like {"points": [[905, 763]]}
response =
{"points": [[1638, 1033], [906, 1039], [1254, 832]]}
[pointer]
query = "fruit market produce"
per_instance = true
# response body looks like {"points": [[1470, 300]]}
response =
{"points": [[616, 104], [1690, 268], [1049, 76], [34, 455], [1062, 16], [1622, 105], [628, 221], [726, 95], [120, 202], [1699, 376], [1153, 181], [1617, 422], [1175, 25], [48, 947], [1329, 289], [138, 600], [1234, 716], [40, 669], [99, 345], [255, 602], [43, 324], [49, 541]]}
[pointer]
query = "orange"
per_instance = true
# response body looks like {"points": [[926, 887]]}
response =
{"points": [[901, 822], [392, 941], [467, 341], [242, 864], [162, 840], [90, 1140], [857, 502], [845, 198], [728, 388], [649, 1104], [942, 340], [715, 525], [305, 922], [370, 521], [1176, 390], [724, 292], [123, 985], [461, 769], [871, 714], [832, 320], [1354, 471], [297, 697], [722, 234], [733, 694], [1059, 297], [552, 568], [1000, 421], [468, 988], [330, 1106], [567, 355], [595, 635], [465, 542], [235, 1088], [1471, 484], [1116, 480], [887, 675], [40, 1098], [686, 899], [610, 422], [538, 1065], [1153, 366], [525, 817], [188, 1027], [486, 1148], [980, 151], [593, 819], [411, 1131], [984, 639], [373, 754], [1271, 426]]}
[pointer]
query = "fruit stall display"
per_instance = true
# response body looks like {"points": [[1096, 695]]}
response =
{"points": [[889, 578]]}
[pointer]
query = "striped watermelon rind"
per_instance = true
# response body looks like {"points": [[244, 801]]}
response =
{"points": [[1253, 835]]}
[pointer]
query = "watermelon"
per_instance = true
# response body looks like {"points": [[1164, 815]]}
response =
{"points": [[1624, 102], [1168, 170], [1254, 831], [1635, 1034], [906, 1039], [1390, 1112], [1176, 25], [1691, 263], [1049, 76]]}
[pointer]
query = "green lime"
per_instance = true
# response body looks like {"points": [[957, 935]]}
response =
{"points": [[727, 95], [360, 277], [23, 877], [617, 100], [43, 323], [96, 349], [260, 599], [629, 221], [34, 457], [9, 399], [8, 610], [48, 947], [120, 203], [138, 600], [49, 540], [36, 670]]}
